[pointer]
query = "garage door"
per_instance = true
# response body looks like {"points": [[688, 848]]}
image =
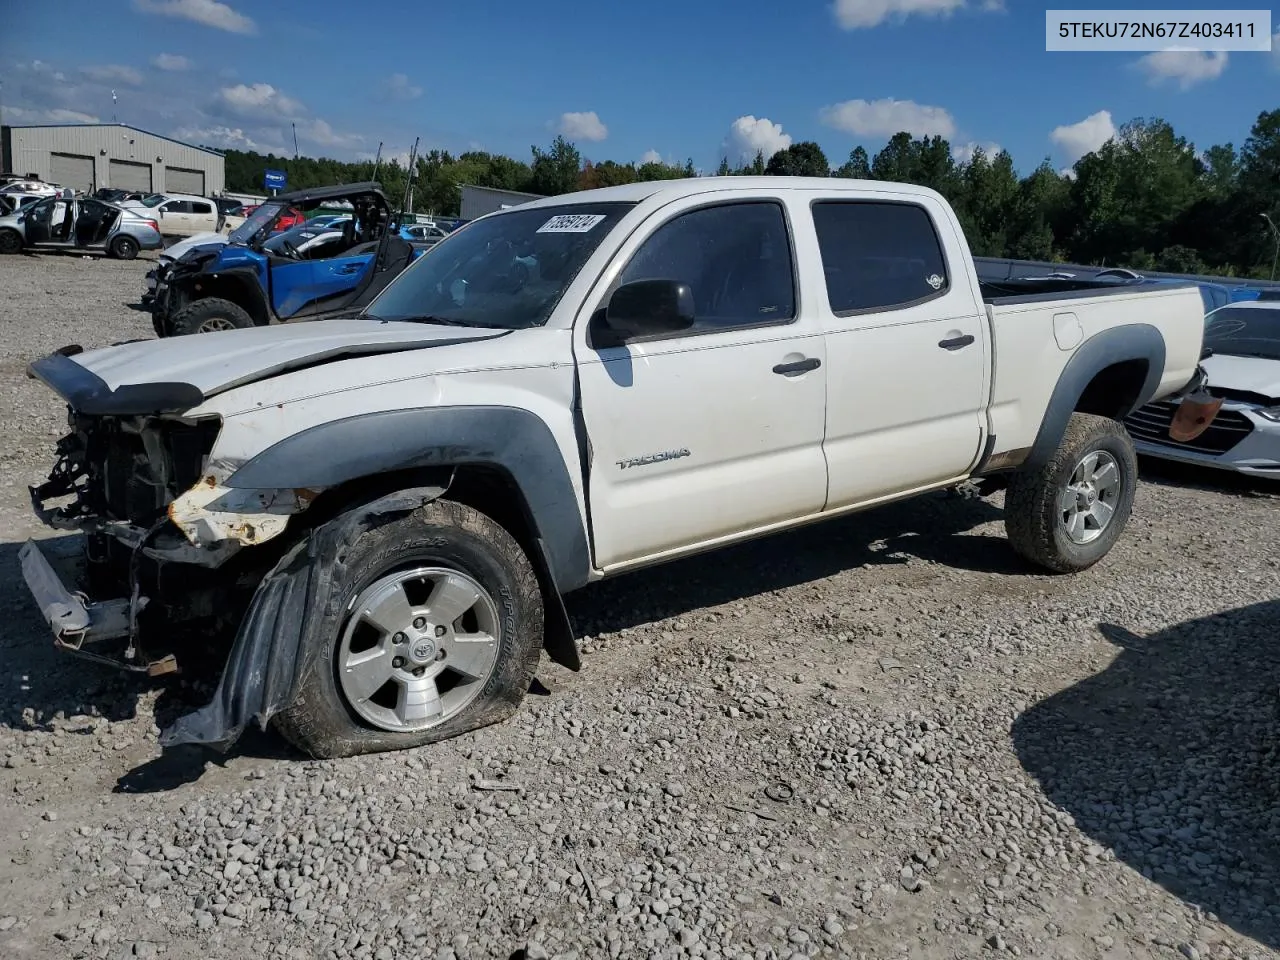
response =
{"points": [[70, 170], [180, 180], [134, 177]]}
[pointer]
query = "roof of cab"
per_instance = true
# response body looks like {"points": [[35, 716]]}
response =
{"points": [[691, 186]]}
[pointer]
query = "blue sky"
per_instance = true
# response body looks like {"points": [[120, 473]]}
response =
{"points": [[664, 78]]}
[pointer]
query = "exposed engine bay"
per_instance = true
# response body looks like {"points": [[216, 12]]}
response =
{"points": [[118, 481]]}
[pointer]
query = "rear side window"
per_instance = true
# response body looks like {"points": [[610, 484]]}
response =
{"points": [[878, 255], [201, 208]]}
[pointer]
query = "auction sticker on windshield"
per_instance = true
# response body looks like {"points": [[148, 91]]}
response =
{"points": [[571, 223]]}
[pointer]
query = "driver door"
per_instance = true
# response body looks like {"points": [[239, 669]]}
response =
{"points": [[36, 224]]}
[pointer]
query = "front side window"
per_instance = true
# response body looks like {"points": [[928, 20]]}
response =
{"points": [[878, 255], [40, 212], [507, 270], [735, 258]]}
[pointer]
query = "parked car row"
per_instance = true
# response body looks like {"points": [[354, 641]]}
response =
{"points": [[67, 222]]}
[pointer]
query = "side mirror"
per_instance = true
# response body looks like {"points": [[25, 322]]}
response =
{"points": [[645, 307]]}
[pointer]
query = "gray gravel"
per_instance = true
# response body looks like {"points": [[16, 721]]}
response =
{"points": [[881, 737]]}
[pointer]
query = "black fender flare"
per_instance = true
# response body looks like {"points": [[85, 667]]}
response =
{"points": [[510, 439], [254, 300], [1138, 341]]}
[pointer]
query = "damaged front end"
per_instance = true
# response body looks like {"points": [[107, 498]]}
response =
{"points": [[158, 574]]}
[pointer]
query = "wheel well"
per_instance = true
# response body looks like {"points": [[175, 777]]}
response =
{"points": [[486, 488], [1114, 391], [236, 289]]}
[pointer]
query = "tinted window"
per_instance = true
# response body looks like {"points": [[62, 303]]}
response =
{"points": [[1244, 332], [736, 259], [201, 208], [878, 256]]}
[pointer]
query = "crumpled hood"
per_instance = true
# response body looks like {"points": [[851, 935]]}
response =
{"points": [[210, 240], [1253, 374], [214, 362]]}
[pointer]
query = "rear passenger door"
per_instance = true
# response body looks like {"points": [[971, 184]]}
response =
{"points": [[703, 434], [907, 348]]}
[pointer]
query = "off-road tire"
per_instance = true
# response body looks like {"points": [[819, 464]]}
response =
{"points": [[1031, 512], [124, 248], [442, 533], [195, 317], [10, 242]]}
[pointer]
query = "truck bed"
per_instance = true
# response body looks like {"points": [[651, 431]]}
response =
{"points": [[1026, 290]]}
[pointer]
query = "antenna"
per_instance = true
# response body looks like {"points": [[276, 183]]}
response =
{"points": [[408, 188], [377, 161], [113, 106], [295, 140]]}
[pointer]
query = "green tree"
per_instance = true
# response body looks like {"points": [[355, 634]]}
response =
{"points": [[804, 159], [555, 171], [857, 167]]}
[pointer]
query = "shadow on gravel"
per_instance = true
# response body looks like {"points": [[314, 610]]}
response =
{"points": [[42, 688], [40, 683], [929, 528], [1171, 757]]}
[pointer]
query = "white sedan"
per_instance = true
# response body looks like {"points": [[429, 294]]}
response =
{"points": [[1245, 372]]}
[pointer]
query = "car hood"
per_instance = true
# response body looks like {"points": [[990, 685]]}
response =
{"points": [[211, 240], [166, 375], [1252, 374]]}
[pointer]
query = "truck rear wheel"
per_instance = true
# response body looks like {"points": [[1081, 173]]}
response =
{"points": [[440, 634], [1067, 515], [208, 316]]}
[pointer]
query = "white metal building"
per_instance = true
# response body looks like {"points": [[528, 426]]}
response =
{"points": [[90, 156], [477, 201]]}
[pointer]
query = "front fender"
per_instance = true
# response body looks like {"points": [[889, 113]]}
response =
{"points": [[511, 439]]}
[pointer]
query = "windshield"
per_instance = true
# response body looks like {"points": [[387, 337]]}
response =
{"points": [[152, 201], [259, 219], [297, 236], [1244, 332], [508, 270]]}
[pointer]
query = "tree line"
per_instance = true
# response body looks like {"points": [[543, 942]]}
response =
{"points": [[1146, 199]]}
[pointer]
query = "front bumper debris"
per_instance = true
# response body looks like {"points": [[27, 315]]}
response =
{"points": [[75, 619]]}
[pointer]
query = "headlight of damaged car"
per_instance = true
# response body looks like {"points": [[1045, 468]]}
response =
{"points": [[1271, 413]]}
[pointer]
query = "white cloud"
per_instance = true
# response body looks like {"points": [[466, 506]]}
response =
{"points": [[170, 61], [884, 118], [1077, 139], [399, 87], [861, 14], [56, 115], [651, 156], [964, 152], [320, 132], [259, 100], [749, 136], [113, 73], [1187, 67], [211, 13], [218, 136], [583, 126]]}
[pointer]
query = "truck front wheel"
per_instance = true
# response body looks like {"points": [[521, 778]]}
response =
{"points": [[1067, 515], [440, 634], [209, 316]]}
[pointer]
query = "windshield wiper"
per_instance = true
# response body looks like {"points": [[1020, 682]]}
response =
{"points": [[425, 318]]}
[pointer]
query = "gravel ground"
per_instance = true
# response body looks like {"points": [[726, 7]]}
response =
{"points": [[978, 760]]}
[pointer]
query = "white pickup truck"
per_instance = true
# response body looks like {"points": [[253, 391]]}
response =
{"points": [[384, 510]]}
